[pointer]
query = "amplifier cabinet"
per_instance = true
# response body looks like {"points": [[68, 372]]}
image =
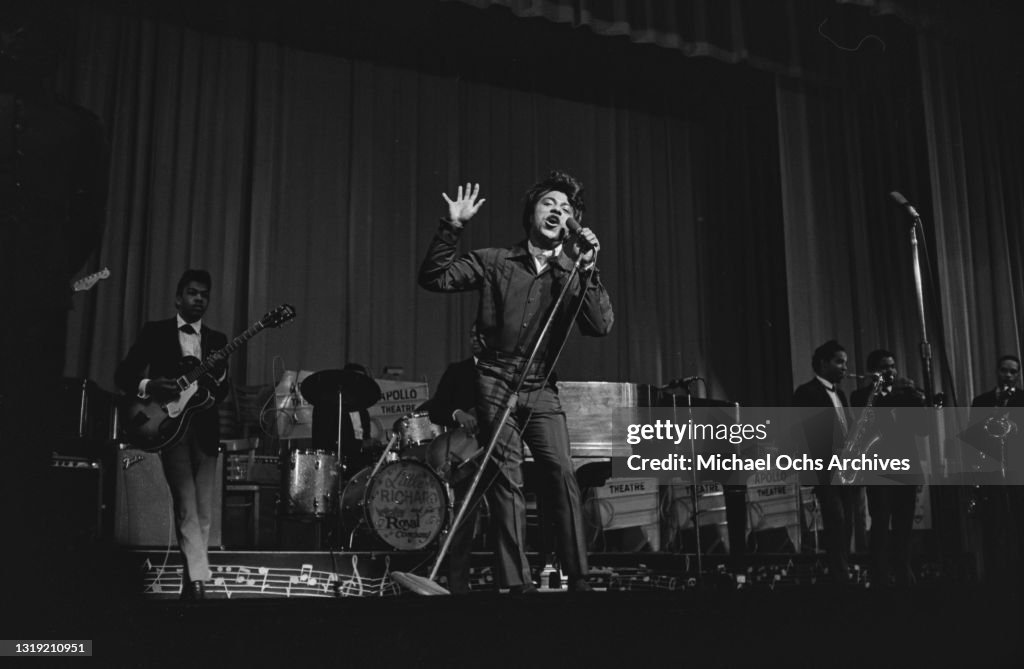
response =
{"points": [[77, 487], [143, 511]]}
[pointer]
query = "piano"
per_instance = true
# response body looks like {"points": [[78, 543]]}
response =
{"points": [[589, 407]]}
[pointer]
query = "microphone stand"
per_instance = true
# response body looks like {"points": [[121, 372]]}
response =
{"points": [[696, 496], [926, 348], [428, 586]]}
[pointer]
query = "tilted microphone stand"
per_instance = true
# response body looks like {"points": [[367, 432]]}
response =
{"points": [[428, 586]]}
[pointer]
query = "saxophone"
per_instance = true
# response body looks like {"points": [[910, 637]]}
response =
{"points": [[862, 438]]}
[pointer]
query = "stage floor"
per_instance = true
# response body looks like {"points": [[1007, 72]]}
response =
{"points": [[955, 625]]}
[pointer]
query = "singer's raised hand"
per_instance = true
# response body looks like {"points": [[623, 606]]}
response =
{"points": [[465, 205]]}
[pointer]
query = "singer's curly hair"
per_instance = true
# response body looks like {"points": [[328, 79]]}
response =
{"points": [[556, 180]]}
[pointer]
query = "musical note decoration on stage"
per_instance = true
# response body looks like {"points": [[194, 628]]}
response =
{"points": [[232, 581]]}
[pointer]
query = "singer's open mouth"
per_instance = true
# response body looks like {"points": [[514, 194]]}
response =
{"points": [[553, 221]]}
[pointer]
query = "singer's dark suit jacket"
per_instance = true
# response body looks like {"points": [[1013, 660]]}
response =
{"points": [[159, 351], [822, 430]]}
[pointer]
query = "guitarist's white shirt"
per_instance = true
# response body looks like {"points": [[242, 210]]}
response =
{"points": [[191, 345]]}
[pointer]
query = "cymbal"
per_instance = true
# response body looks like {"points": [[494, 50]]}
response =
{"points": [[357, 391]]}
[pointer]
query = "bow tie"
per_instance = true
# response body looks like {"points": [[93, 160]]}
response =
{"points": [[188, 329]]}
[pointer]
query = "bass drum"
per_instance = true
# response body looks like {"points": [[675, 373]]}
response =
{"points": [[406, 505]]}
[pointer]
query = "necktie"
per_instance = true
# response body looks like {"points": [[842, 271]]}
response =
{"points": [[188, 329]]}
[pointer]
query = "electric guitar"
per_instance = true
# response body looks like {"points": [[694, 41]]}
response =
{"points": [[151, 426], [87, 282]]}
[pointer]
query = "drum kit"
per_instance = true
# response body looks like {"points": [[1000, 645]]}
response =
{"points": [[404, 499]]}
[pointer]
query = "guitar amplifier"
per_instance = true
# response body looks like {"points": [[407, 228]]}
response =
{"points": [[252, 468], [77, 490], [144, 511]]}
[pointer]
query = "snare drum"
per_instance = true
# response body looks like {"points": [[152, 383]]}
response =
{"points": [[312, 484], [406, 505]]}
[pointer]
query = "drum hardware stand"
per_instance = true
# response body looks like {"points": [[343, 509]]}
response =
{"points": [[383, 456], [428, 586]]}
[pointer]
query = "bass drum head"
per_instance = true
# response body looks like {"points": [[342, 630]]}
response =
{"points": [[405, 505]]}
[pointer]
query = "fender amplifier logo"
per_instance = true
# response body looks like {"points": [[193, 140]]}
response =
{"points": [[129, 460]]}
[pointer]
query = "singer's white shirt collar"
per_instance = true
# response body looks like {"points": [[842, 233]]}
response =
{"points": [[541, 257]]}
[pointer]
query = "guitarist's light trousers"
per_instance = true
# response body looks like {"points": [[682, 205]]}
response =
{"points": [[191, 475]]}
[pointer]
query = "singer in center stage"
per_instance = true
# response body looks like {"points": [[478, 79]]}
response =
{"points": [[517, 289]]}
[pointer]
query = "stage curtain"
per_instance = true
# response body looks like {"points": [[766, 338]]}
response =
{"points": [[316, 180], [974, 104], [842, 151]]}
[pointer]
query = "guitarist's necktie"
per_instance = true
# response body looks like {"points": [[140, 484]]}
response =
{"points": [[188, 329]]}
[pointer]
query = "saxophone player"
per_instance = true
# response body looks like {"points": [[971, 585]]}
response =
{"points": [[892, 505], [823, 433]]}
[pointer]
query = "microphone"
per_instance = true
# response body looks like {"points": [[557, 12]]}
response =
{"points": [[898, 198], [574, 228], [683, 382]]}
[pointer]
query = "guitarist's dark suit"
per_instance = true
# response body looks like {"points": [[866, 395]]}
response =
{"points": [[190, 465], [838, 502], [157, 349]]}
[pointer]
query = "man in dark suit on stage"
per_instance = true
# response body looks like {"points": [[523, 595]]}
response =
{"points": [[1007, 392], [824, 433], [190, 465], [517, 289], [997, 507], [892, 504]]}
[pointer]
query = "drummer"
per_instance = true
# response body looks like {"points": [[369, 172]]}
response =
{"points": [[359, 391], [453, 406]]}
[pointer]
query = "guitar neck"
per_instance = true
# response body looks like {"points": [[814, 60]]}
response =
{"points": [[211, 360]]}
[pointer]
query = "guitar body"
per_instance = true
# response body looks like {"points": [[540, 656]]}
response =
{"points": [[152, 426]]}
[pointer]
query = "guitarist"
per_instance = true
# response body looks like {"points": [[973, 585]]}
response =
{"points": [[190, 464]]}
